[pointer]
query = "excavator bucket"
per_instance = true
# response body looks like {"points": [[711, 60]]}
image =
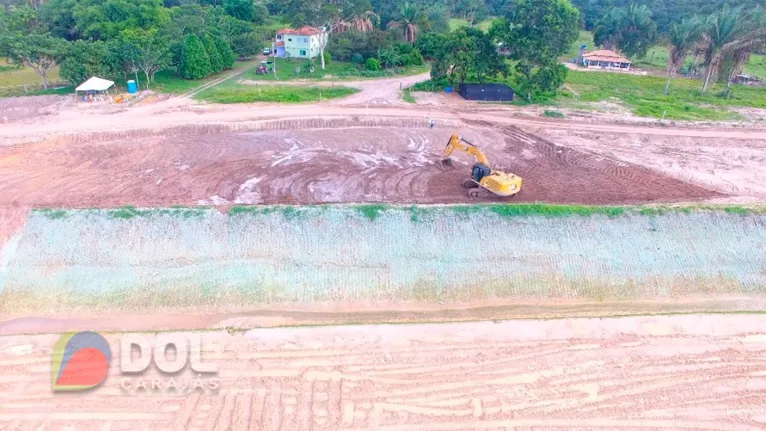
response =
{"points": [[447, 164]]}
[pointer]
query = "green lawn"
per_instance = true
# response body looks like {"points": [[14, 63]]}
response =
{"points": [[168, 81], [456, 23], [585, 38], [231, 92], [756, 66], [407, 96], [643, 95], [12, 81], [288, 69]]}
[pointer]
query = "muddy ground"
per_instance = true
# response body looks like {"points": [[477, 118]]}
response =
{"points": [[314, 166], [701, 372]]}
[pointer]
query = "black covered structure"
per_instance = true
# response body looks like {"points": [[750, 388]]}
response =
{"points": [[487, 92]]}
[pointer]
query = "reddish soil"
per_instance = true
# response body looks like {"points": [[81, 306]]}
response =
{"points": [[701, 372], [314, 166]]}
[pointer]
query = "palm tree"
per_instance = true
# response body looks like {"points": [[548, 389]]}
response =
{"points": [[362, 23], [753, 38], [410, 20], [608, 30], [720, 37], [682, 38]]}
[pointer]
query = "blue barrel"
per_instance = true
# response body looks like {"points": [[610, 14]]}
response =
{"points": [[448, 90], [132, 87]]}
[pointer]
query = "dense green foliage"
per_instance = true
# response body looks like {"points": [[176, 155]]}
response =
{"points": [[195, 63]]}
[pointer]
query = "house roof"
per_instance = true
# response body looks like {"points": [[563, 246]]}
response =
{"points": [[605, 55], [303, 31]]}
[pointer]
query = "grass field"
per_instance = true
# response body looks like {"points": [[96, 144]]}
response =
{"points": [[585, 38], [407, 96], [643, 95], [239, 93], [335, 70]]}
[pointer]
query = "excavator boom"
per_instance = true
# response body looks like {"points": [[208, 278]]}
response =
{"points": [[456, 142]]}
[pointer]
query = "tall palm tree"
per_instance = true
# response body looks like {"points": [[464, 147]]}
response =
{"points": [[682, 39], [721, 36], [753, 38], [411, 19], [608, 30], [361, 23]]}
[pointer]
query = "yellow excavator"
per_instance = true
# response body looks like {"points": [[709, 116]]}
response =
{"points": [[482, 175]]}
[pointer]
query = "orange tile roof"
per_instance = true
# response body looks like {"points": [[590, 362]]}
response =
{"points": [[303, 31], [605, 55]]}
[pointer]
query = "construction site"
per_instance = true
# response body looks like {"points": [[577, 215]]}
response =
{"points": [[609, 269]]}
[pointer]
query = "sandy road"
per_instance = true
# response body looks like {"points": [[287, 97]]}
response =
{"points": [[181, 111], [704, 372]]}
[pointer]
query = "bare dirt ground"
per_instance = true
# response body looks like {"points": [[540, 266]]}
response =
{"points": [[314, 166], [733, 167], [30, 109], [705, 372]]}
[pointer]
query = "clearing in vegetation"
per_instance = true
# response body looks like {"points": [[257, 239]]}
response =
{"points": [[334, 70]]}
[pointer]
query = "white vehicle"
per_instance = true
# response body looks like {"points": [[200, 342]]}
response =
{"points": [[266, 51]]}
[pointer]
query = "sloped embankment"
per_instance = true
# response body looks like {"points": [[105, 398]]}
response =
{"points": [[133, 260]]}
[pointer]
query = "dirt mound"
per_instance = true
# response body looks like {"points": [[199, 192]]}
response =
{"points": [[361, 163], [25, 109]]}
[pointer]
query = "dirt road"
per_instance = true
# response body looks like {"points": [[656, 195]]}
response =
{"points": [[704, 372], [387, 91]]}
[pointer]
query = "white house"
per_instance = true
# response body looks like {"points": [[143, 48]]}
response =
{"points": [[298, 43]]}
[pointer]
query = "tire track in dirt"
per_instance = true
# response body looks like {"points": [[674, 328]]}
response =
{"points": [[308, 167], [647, 373]]}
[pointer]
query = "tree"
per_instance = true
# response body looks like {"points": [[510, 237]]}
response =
{"points": [[105, 19], [410, 21], [216, 62], [722, 30], [57, 14], [639, 32], [682, 39], [537, 33], [630, 30], [39, 52], [227, 55], [240, 9], [85, 59], [195, 63], [151, 48], [608, 30]]}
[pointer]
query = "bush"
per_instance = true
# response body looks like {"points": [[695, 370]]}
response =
{"points": [[372, 64], [416, 58], [227, 55], [357, 58], [196, 63], [327, 58], [216, 62], [553, 114]]}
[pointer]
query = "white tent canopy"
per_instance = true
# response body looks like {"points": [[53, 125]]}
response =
{"points": [[95, 84]]}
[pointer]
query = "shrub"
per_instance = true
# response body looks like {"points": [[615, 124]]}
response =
{"points": [[327, 58], [227, 55], [416, 58], [357, 58], [553, 114], [196, 63], [216, 62], [372, 64]]}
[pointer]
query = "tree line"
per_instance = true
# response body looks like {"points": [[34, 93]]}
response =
{"points": [[722, 40], [120, 38]]}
